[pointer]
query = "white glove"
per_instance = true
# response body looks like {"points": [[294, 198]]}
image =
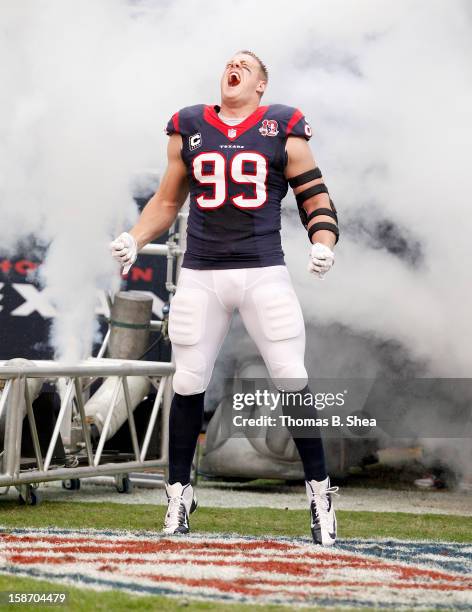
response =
{"points": [[125, 250], [321, 260]]}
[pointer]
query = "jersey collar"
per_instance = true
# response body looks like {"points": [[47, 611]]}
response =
{"points": [[232, 132]]}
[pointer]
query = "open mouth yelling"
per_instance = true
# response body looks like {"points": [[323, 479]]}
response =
{"points": [[234, 78]]}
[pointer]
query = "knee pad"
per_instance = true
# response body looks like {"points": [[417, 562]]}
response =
{"points": [[278, 311], [289, 376], [190, 371], [187, 316], [187, 383]]}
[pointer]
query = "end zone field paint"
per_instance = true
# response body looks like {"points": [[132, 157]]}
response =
{"points": [[375, 573]]}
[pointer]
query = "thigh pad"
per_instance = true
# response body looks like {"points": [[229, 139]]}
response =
{"points": [[278, 311], [187, 316]]}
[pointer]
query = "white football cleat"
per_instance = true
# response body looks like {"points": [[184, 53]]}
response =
{"points": [[323, 518], [181, 503]]}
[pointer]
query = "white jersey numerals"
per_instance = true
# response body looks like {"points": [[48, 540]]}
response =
{"points": [[246, 167], [210, 169], [256, 175]]}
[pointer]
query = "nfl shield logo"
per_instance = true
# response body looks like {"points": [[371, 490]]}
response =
{"points": [[232, 133]]}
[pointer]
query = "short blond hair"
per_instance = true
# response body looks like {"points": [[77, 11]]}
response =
{"points": [[262, 66]]}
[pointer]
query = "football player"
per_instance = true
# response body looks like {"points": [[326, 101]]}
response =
{"points": [[236, 161]]}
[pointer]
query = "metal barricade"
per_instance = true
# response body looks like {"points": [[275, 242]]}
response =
{"points": [[16, 401]]}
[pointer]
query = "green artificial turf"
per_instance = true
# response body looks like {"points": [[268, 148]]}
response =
{"points": [[87, 600], [247, 521]]}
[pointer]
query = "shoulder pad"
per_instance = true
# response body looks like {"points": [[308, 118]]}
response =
{"points": [[186, 120], [291, 121]]}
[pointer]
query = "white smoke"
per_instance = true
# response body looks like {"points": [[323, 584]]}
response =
{"points": [[390, 104], [88, 87]]}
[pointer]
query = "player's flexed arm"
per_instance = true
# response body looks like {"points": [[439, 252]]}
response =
{"points": [[316, 209], [161, 210]]}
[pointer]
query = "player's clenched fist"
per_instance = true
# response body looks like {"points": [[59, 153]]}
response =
{"points": [[321, 259], [125, 250]]}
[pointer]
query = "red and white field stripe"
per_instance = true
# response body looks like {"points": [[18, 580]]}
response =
{"points": [[256, 570]]}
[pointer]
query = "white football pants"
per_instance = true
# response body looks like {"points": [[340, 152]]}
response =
{"points": [[200, 316]]}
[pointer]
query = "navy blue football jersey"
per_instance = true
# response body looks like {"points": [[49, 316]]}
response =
{"points": [[236, 183]]}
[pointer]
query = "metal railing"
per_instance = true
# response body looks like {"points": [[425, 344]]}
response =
{"points": [[16, 395], [16, 402]]}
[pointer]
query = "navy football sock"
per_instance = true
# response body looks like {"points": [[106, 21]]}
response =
{"points": [[312, 455], [185, 423], [309, 448]]}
